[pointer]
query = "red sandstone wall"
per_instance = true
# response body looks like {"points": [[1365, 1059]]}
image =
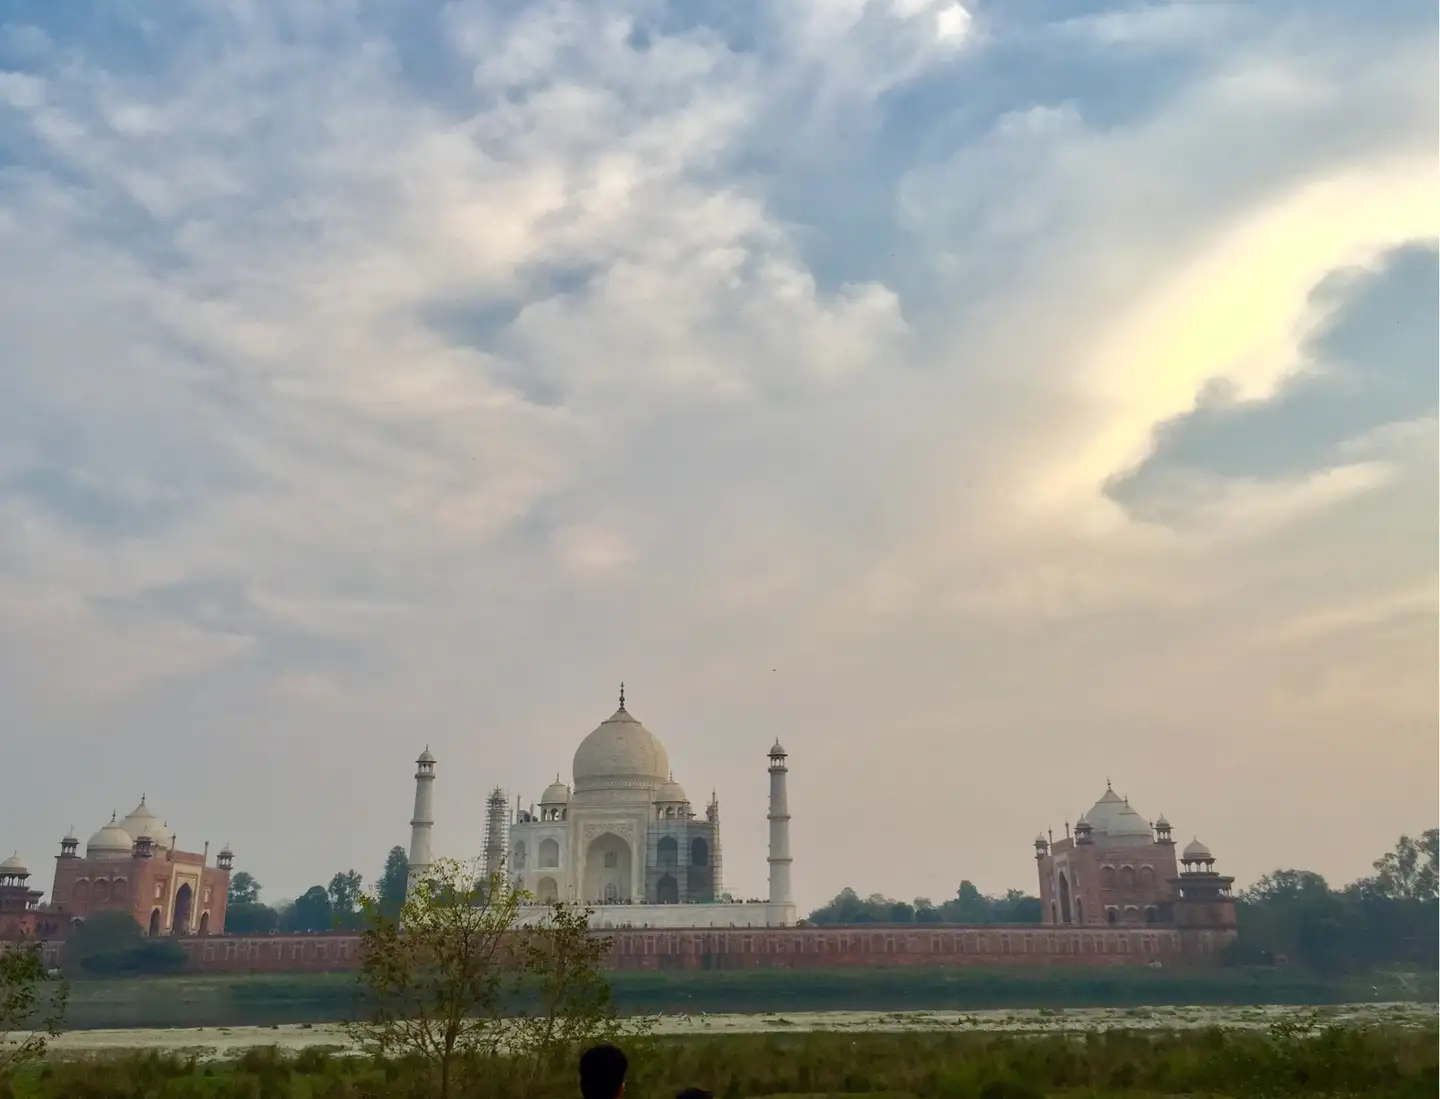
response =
{"points": [[315, 953], [891, 946], [739, 948]]}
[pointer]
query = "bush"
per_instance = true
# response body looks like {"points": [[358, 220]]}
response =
{"points": [[104, 933], [151, 957]]}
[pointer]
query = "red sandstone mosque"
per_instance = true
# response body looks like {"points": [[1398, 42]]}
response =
{"points": [[1117, 869], [132, 865]]}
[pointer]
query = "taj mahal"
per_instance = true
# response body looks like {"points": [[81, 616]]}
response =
{"points": [[624, 839]]}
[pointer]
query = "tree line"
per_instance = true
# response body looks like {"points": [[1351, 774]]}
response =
{"points": [[1387, 920], [337, 906], [968, 906]]}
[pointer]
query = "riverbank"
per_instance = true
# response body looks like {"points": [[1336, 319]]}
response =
{"points": [[287, 999], [219, 1042]]}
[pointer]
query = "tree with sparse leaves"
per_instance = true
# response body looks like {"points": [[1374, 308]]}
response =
{"points": [[32, 1006], [466, 986], [564, 996], [437, 986]]}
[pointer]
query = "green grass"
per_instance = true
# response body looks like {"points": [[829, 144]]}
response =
{"points": [[1284, 1062], [262, 1000]]}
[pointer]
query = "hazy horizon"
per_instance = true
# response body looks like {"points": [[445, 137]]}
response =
{"points": [[986, 400]]}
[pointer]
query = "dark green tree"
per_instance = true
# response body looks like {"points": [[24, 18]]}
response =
{"points": [[310, 911], [393, 879], [1388, 921], [111, 943], [969, 906], [244, 889], [344, 892], [105, 932], [926, 912], [250, 919], [1017, 906], [1409, 871]]}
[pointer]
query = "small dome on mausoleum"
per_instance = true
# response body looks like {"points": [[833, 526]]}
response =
{"points": [[671, 792], [557, 793]]}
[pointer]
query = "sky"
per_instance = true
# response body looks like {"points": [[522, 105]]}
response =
{"points": [[985, 400]]}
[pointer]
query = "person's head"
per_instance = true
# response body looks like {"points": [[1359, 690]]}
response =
{"points": [[694, 1093], [602, 1072]]}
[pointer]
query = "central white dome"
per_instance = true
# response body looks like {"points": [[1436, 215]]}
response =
{"points": [[621, 753]]}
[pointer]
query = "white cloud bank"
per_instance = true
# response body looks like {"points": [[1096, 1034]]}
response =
{"points": [[482, 368]]}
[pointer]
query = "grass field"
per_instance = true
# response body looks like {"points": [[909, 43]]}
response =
{"points": [[262, 1000], [1290, 1059]]}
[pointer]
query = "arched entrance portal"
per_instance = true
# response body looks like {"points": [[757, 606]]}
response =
{"points": [[608, 870], [184, 901], [667, 890], [1064, 898], [155, 922], [205, 923], [547, 891]]}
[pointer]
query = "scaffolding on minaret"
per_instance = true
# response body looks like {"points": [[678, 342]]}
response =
{"points": [[497, 831], [712, 814]]}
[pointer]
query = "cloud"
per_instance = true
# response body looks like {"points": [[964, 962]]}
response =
{"points": [[1153, 26], [1370, 362], [955, 390]]}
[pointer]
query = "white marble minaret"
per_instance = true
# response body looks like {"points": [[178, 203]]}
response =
{"points": [[780, 894], [421, 824]]}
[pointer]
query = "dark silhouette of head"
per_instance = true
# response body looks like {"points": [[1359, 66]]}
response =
{"points": [[694, 1093], [602, 1072]]}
